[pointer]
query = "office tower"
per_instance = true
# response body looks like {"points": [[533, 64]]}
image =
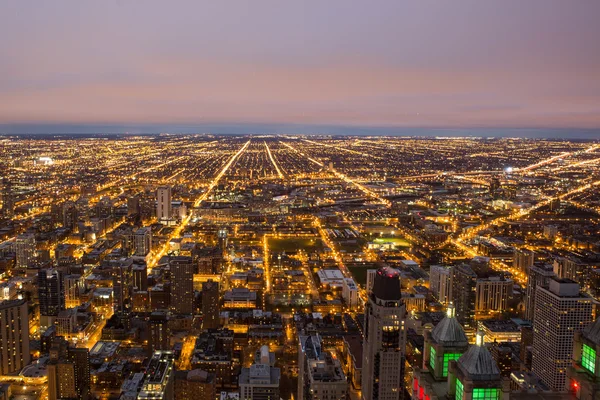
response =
{"points": [[261, 380], [384, 345], [196, 384], [142, 241], [158, 332], [523, 259], [464, 283], [320, 375], [69, 374], [569, 268], [163, 203], [51, 295], [122, 287], [560, 311], [8, 200], [24, 248], [538, 276], [133, 205], [140, 277], [446, 342], [475, 375], [14, 336], [182, 285], [210, 305], [584, 372], [492, 294], [159, 377], [440, 283]]}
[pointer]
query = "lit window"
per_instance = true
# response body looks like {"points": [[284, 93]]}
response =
{"points": [[447, 358], [588, 359], [432, 358], [486, 394], [459, 390]]}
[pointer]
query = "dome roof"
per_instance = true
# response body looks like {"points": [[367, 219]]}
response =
{"points": [[386, 285], [449, 332]]}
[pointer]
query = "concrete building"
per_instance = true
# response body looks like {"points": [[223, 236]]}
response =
{"points": [[51, 295], [159, 377], [261, 380], [319, 373], [182, 285], [464, 286], [384, 345], [159, 333], [196, 384], [142, 240], [440, 283], [560, 311], [523, 259], [163, 203], [210, 305], [350, 293], [538, 276], [14, 336], [24, 249], [492, 294]]}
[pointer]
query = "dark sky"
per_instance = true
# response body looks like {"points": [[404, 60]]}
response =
{"points": [[392, 63]]}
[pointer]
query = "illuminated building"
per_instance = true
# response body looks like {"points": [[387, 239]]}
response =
{"points": [[194, 385], [523, 259], [440, 283], [159, 332], [560, 311], [182, 284], [14, 336], [143, 241], [350, 293], [476, 376], [446, 342], [159, 377], [492, 294], [24, 248], [584, 372], [163, 203], [8, 200], [51, 295], [261, 380], [69, 374], [140, 277], [385, 339], [538, 276], [464, 295]]}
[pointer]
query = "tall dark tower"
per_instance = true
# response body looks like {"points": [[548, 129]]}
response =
{"points": [[384, 346], [8, 200]]}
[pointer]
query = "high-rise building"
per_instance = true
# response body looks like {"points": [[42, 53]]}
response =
{"points": [[538, 276], [74, 286], [158, 332], [569, 268], [261, 380], [350, 293], [440, 283], [182, 284], [210, 305], [384, 345], [159, 377], [51, 295], [24, 248], [320, 375], [8, 200], [446, 342], [122, 286], [492, 294], [14, 336], [560, 311], [133, 205], [475, 375], [163, 203], [69, 374], [196, 384], [584, 372], [70, 215], [142, 241], [370, 280], [140, 277], [523, 259], [464, 284]]}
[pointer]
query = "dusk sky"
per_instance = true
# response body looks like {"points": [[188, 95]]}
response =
{"points": [[422, 63]]}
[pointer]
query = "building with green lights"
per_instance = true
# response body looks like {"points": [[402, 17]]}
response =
{"points": [[584, 374]]}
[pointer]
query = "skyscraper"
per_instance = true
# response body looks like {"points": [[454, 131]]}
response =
{"points": [[464, 285], [8, 200], [560, 311], [24, 248], [182, 285], [14, 336], [210, 305], [440, 283], [51, 294], [69, 374], [158, 329], [143, 241], [163, 203], [538, 276], [523, 259], [384, 345]]}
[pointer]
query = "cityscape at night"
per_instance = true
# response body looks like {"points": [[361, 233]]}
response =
{"points": [[279, 200]]}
